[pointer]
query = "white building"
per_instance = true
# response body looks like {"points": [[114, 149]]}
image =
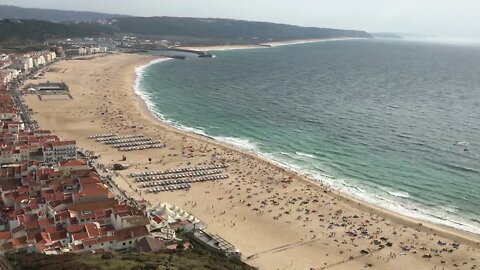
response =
{"points": [[39, 61], [27, 62], [59, 150], [170, 216]]}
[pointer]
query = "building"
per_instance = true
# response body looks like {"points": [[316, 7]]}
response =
{"points": [[59, 150], [27, 63], [216, 244]]}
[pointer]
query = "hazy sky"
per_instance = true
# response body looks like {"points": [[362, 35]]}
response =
{"points": [[446, 18]]}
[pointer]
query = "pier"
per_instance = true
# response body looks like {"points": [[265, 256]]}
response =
{"points": [[140, 49]]}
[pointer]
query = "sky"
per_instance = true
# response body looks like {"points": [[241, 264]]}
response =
{"points": [[442, 18]]}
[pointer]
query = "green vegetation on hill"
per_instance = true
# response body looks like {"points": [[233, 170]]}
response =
{"points": [[25, 26], [21, 32], [15, 32], [186, 260], [52, 15], [226, 29]]}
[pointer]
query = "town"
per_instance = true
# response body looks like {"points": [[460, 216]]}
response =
{"points": [[57, 199]]}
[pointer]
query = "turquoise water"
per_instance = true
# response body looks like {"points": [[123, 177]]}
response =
{"points": [[395, 123]]}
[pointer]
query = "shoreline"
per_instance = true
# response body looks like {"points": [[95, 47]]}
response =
{"points": [[118, 107], [265, 45], [412, 220]]}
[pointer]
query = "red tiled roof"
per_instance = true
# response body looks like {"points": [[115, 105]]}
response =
{"points": [[51, 229], [10, 184], [49, 197], [72, 163], [23, 189], [5, 235], [34, 206], [120, 208], [92, 190], [91, 242], [65, 215], [94, 206], [31, 235], [31, 217], [31, 225], [104, 230], [19, 241], [75, 228], [99, 251], [158, 219], [56, 245], [86, 216], [80, 236], [40, 246], [92, 230], [73, 220], [132, 232], [43, 236], [15, 213], [56, 236], [77, 247], [44, 222]]}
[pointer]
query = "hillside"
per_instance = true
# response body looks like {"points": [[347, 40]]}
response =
{"points": [[387, 35], [226, 29], [21, 32], [53, 15], [29, 25], [124, 260], [192, 30]]}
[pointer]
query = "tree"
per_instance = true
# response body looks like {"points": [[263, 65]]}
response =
{"points": [[180, 246], [107, 255]]}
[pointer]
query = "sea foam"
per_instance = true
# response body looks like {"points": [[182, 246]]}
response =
{"points": [[400, 194], [242, 143], [141, 92], [305, 155]]}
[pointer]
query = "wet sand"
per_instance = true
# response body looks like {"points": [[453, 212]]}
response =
{"points": [[276, 218]]}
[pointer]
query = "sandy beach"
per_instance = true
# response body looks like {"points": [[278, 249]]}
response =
{"points": [[277, 219], [223, 47], [261, 45]]}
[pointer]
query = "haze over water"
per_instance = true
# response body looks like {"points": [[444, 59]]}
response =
{"points": [[395, 123]]}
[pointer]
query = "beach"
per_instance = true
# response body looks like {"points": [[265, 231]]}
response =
{"points": [[276, 218], [260, 45], [222, 47]]}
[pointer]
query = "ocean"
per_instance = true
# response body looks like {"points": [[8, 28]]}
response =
{"points": [[394, 123]]}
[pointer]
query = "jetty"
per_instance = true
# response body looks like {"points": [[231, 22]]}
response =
{"points": [[141, 49]]}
